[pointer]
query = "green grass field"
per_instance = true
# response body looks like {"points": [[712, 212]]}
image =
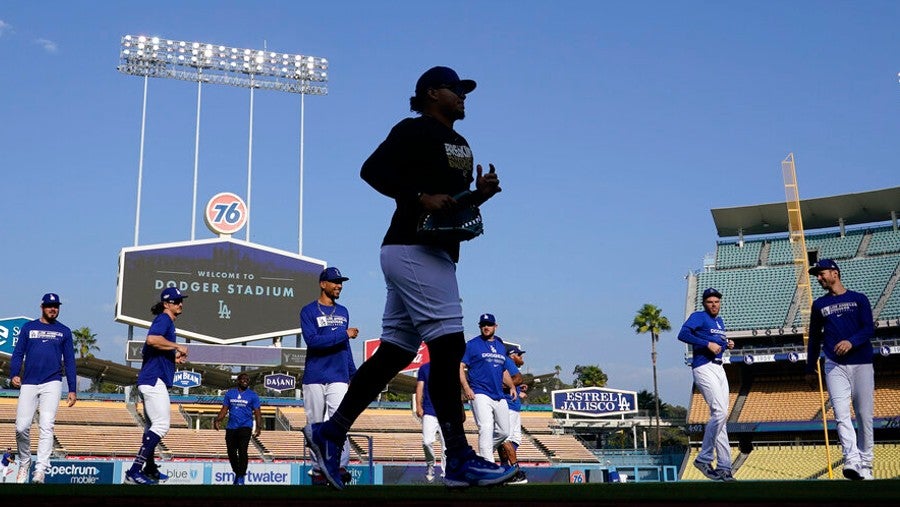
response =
{"points": [[780, 493]]}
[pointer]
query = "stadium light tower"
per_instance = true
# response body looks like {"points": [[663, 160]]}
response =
{"points": [[215, 64]]}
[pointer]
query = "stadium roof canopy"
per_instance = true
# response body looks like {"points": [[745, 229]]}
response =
{"points": [[820, 213]]}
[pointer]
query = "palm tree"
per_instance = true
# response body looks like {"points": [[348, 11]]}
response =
{"points": [[650, 319], [85, 342]]}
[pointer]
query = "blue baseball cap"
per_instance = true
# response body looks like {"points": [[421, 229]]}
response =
{"points": [[50, 299], [822, 265], [171, 294], [332, 275], [710, 292], [443, 76], [513, 349], [487, 318]]}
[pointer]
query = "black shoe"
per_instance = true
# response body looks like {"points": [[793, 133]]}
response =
{"points": [[852, 474], [318, 479], [346, 476], [519, 478]]}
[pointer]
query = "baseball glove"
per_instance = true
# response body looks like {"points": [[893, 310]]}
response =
{"points": [[462, 223]]}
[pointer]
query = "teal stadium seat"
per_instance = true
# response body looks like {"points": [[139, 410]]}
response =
{"points": [[884, 241]]}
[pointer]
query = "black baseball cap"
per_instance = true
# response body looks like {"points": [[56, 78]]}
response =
{"points": [[443, 76]]}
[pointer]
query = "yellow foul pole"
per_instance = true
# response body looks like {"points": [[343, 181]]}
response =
{"points": [[801, 266]]}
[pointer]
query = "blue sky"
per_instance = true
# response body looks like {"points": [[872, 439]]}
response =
{"points": [[615, 128]]}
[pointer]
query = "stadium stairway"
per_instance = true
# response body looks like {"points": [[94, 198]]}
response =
{"points": [[132, 409], [746, 384], [886, 295], [864, 244]]}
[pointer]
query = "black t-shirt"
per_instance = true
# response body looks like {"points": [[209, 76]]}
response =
{"points": [[420, 155]]}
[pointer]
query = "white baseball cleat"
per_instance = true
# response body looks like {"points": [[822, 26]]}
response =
{"points": [[22, 476]]}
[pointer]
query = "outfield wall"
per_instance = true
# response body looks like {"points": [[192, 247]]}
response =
{"points": [[297, 474]]}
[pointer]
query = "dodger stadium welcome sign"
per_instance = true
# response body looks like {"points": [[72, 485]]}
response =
{"points": [[594, 401], [237, 291]]}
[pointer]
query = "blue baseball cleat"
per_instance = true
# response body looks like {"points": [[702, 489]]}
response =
{"points": [[326, 453], [156, 475], [707, 470], [469, 469], [138, 478]]}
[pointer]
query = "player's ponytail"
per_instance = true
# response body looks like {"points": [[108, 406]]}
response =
{"points": [[157, 308]]}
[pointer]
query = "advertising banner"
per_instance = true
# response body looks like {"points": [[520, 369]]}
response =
{"points": [[238, 291], [9, 332], [79, 472], [276, 474], [595, 401]]}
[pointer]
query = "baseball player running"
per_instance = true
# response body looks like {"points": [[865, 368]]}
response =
{"points": [[421, 165], [329, 360], [42, 344], [488, 372], [840, 325], [705, 331], [160, 354]]}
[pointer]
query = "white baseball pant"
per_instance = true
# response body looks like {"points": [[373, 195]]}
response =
{"points": [[44, 397], [515, 427], [430, 428], [320, 402], [713, 384], [853, 383], [157, 407], [492, 419]]}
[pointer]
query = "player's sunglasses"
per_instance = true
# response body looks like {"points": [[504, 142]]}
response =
{"points": [[176, 301], [457, 89]]}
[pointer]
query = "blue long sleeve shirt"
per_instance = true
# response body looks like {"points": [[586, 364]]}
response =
{"points": [[699, 330], [837, 318], [328, 355], [40, 347], [158, 364]]}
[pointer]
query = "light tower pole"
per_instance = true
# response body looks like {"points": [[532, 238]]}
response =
{"points": [[202, 62]]}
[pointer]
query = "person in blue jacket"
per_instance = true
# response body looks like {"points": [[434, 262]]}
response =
{"points": [[329, 359], [841, 326], [705, 332], [45, 346]]}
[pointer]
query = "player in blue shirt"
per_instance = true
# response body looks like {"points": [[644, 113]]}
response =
{"points": [[5, 462], [705, 332], [329, 359], [161, 353], [42, 344], [508, 449], [488, 372], [242, 406], [430, 427], [841, 325]]}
